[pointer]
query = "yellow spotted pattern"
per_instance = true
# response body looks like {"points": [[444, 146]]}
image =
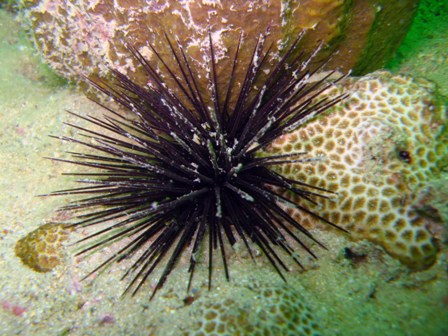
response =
{"points": [[276, 310], [376, 151], [41, 249]]}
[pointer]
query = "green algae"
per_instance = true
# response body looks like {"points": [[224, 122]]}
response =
{"points": [[430, 22]]}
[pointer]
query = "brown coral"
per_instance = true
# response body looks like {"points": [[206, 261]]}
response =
{"points": [[41, 248], [85, 36]]}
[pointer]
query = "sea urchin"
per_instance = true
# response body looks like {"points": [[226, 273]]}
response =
{"points": [[184, 170]]}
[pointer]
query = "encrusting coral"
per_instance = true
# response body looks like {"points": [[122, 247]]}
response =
{"points": [[87, 37], [41, 249], [378, 151], [271, 310]]}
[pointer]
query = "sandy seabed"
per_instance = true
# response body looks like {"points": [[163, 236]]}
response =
{"points": [[377, 297]]}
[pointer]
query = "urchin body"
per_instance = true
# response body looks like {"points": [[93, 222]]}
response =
{"points": [[185, 170]]}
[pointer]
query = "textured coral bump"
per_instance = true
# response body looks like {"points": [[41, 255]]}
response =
{"points": [[385, 144]]}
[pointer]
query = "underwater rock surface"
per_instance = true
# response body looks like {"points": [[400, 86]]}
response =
{"points": [[376, 296]]}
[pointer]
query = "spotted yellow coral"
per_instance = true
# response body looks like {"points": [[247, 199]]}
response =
{"points": [[41, 249], [271, 310], [377, 152]]}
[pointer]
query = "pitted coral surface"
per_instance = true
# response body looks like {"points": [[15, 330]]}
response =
{"points": [[377, 152], [272, 310], [41, 249]]}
